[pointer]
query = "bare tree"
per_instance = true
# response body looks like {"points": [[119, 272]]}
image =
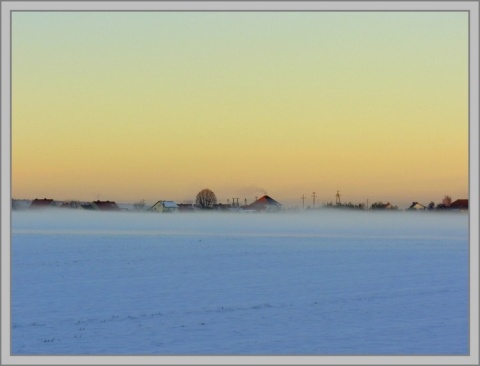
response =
{"points": [[206, 199], [447, 201]]}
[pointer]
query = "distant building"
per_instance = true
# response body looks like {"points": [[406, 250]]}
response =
{"points": [[415, 206], [164, 206], [70, 204], [87, 206], [461, 204], [42, 203], [186, 207], [264, 204], [105, 206], [222, 207], [383, 206]]}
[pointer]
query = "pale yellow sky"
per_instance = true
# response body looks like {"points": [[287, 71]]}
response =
{"points": [[152, 105]]}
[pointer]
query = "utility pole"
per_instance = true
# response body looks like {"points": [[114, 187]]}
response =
{"points": [[303, 201], [337, 198], [314, 195]]}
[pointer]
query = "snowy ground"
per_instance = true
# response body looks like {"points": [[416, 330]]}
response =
{"points": [[327, 283]]}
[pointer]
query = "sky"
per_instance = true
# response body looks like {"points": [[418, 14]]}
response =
{"points": [[131, 106]]}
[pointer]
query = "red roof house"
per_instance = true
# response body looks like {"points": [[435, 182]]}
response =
{"points": [[264, 203], [105, 206], [461, 204], [42, 203]]}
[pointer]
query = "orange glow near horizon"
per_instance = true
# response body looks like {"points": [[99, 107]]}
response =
{"points": [[131, 106]]}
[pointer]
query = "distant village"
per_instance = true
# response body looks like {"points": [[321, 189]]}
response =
{"points": [[206, 200]]}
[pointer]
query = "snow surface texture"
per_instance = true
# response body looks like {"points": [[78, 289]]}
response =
{"points": [[326, 283]]}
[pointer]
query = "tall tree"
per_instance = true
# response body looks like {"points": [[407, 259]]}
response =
{"points": [[206, 199]]}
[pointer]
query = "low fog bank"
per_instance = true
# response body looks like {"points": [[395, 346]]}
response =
{"points": [[308, 223]]}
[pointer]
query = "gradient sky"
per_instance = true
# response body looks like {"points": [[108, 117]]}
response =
{"points": [[158, 105]]}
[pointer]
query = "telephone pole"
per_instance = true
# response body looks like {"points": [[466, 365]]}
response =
{"points": [[337, 198], [314, 195], [303, 201]]}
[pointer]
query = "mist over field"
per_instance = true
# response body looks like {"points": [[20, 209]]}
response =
{"points": [[288, 283], [307, 223]]}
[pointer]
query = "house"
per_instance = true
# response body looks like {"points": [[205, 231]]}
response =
{"points": [[104, 206], [382, 206], [264, 203], [186, 207], [222, 207], [164, 206], [87, 206], [42, 203], [417, 206], [461, 204]]}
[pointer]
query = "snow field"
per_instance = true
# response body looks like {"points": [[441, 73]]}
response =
{"points": [[239, 284]]}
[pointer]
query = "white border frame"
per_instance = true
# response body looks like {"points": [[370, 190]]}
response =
{"points": [[5, 168]]}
